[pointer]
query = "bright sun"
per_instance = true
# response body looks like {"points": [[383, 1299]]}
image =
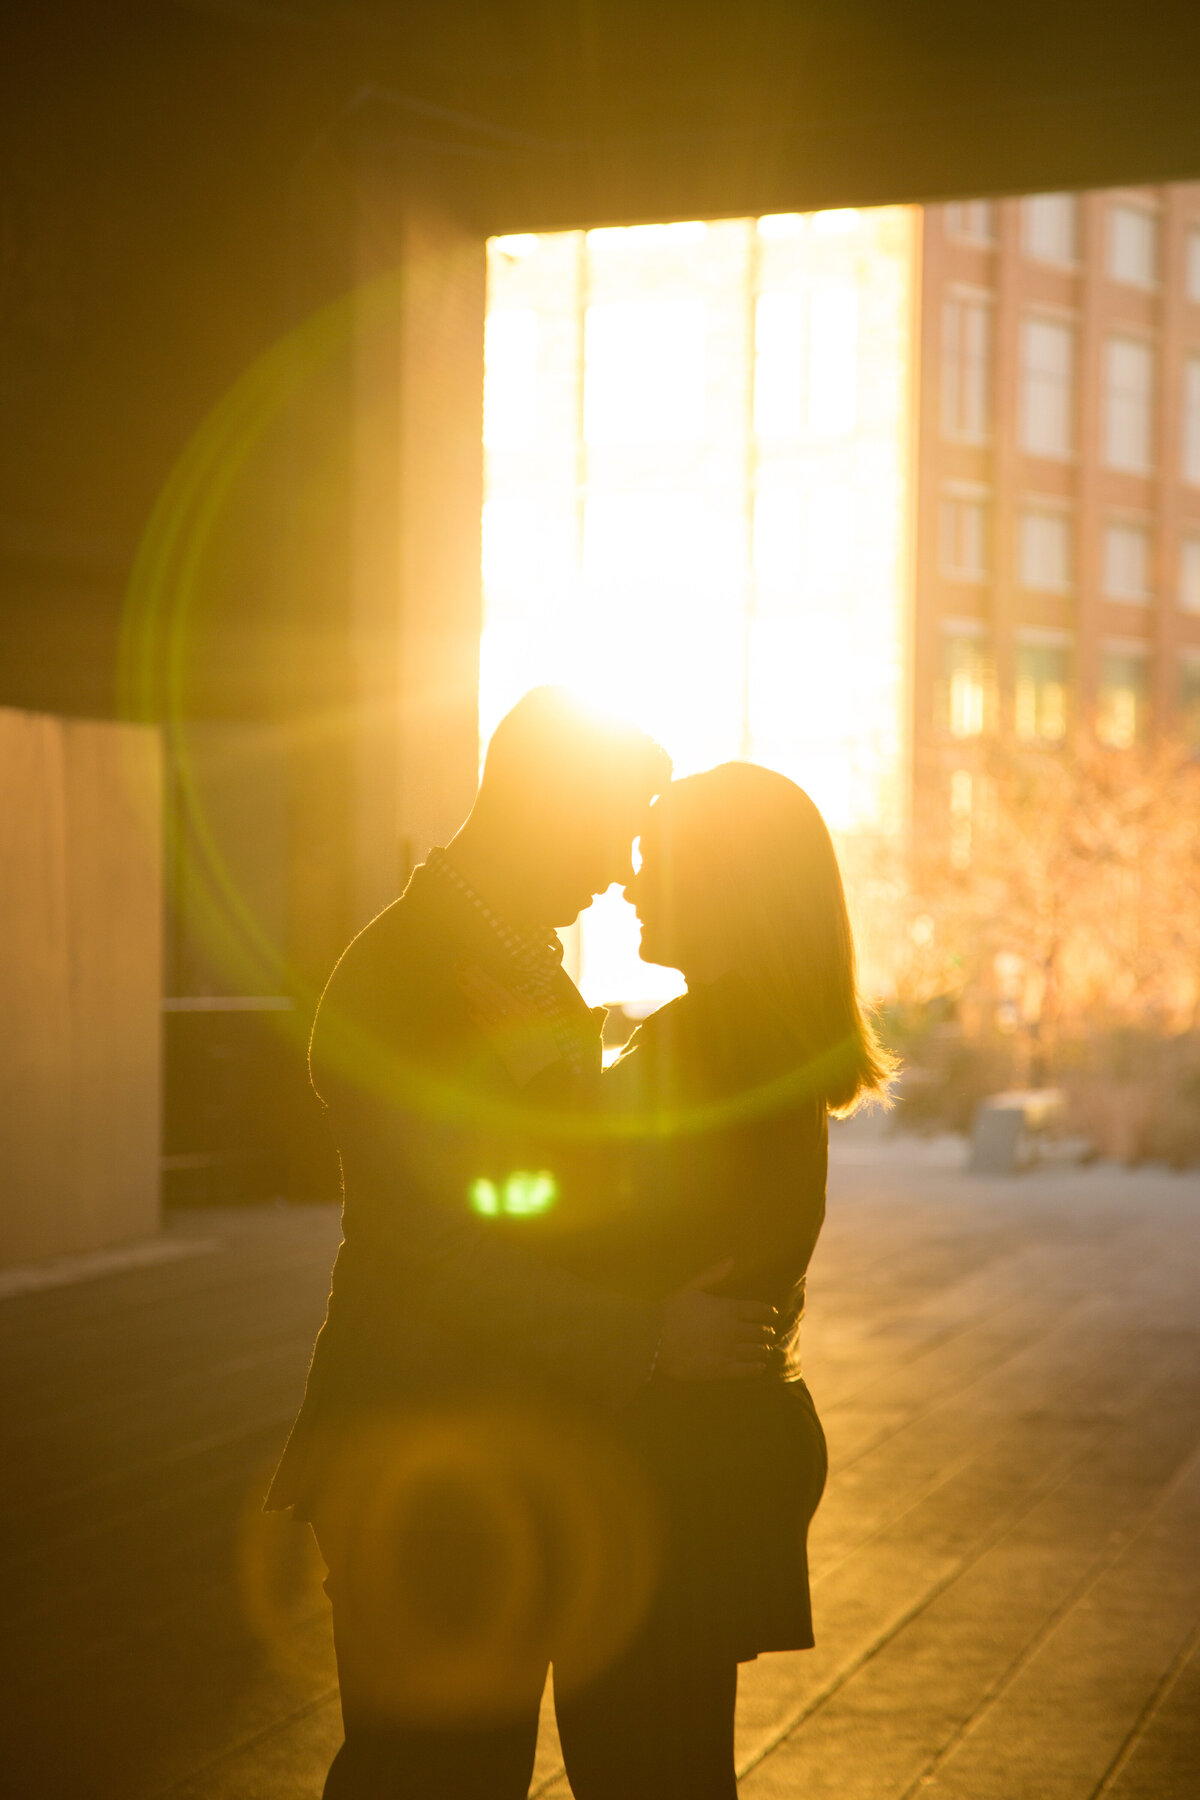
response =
{"points": [[697, 503]]}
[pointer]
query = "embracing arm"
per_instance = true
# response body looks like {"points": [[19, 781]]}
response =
{"points": [[416, 1132], [409, 1188], [409, 1185]]}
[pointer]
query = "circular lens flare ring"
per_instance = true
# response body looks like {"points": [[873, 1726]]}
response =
{"points": [[473, 1546]]}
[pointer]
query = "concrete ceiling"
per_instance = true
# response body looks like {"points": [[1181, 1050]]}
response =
{"points": [[554, 112]]}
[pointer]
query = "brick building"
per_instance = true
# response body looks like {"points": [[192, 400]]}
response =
{"points": [[1058, 487]]}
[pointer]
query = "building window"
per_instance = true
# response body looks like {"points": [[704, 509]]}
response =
{"points": [[1133, 245], [961, 796], [971, 221], [806, 367], [962, 690], [1192, 264], [1191, 421], [1128, 403], [833, 360], [779, 365], [965, 536], [510, 353], [1048, 227], [966, 369], [644, 376], [1121, 711], [1189, 700], [1126, 562], [1047, 387], [1044, 549], [1189, 574], [801, 540], [618, 558], [636, 545], [1041, 691]]}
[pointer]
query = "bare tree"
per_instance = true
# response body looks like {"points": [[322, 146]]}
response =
{"points": [[1075, 906]]}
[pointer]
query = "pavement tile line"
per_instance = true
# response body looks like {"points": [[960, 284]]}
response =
{"points": [[1069, 1401], [953, 1392], [60, 1602], [1081, 1304], [558, 1773], [65, 1271], [1162, 1693], [166, 1459], [1048, 1484], [118, 1405], [945, 1402], [549, 1783], [186, 1782], [1105, 1563]]}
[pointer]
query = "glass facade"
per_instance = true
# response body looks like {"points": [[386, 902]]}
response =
{"points": [[697, 505]]}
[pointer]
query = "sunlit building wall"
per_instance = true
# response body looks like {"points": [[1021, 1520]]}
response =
{"points": [[698, 503], [1058, 483]]}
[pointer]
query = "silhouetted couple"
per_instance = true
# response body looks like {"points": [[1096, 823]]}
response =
{"points": [[555, 1413]]}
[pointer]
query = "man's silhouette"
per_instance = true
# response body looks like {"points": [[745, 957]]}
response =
{"points": [[456, 1144]]}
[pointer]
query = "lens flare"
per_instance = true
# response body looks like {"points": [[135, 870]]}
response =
{"points": [[521, 1195], [473, 1546], [176, 587]]}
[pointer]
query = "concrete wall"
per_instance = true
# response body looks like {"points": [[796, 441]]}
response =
{"points": [[435, 589], [80, 971]]}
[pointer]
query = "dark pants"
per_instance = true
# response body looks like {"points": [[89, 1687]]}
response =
{"points": [[657, 1724], [395, 1762]]}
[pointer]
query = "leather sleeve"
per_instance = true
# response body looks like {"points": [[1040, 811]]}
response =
{"points": [[421, 1123]]}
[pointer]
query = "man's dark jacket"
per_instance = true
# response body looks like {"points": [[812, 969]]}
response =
{"points": [[430, 1301]]}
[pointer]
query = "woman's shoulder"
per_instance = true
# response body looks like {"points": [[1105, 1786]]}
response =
{"points": [[648, 1061], [661, 1021], [671, 1023]]}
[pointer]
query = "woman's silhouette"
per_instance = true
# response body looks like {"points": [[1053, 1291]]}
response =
{"points": [[726, 1093]]}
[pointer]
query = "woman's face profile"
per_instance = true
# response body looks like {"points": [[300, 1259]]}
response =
{"points": [[672, 897]]}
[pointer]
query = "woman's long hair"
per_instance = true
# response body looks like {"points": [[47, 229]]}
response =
{"points": [[774, 895]]}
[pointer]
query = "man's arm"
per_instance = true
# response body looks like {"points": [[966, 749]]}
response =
{"points": [[409, 1188], [410, 1182]]}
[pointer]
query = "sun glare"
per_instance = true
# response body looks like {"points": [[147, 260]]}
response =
{"points": [[697, 503]]}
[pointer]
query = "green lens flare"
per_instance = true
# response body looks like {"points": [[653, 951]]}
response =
{"points": [[523, 1194], [484, 1197]]}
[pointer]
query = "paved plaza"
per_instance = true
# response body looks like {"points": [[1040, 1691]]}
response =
{"points": [[1006, 1563]]}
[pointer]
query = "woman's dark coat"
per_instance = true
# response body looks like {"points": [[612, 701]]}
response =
{"points": [[733, 1166]]}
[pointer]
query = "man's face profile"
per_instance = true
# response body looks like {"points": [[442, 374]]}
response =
{"points": [[563, 795], [583, 856]]}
